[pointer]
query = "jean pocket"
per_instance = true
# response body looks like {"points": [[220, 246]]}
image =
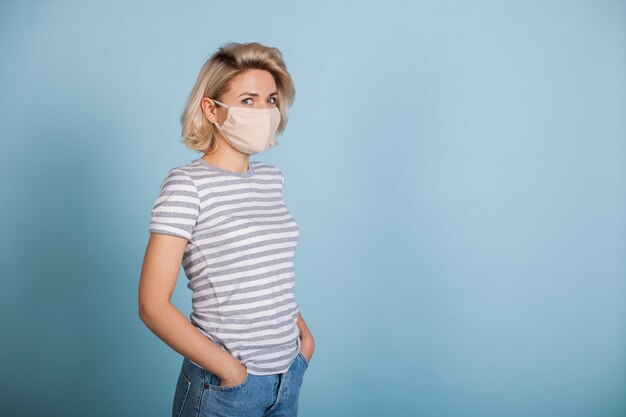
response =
{"points": [[306, 363], [180, 394], [212, 381]]}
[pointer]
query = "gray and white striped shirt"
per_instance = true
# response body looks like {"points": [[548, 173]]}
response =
{"points": [[241, 240]]}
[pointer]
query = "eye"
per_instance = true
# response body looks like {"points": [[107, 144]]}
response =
{"points": [[247, 100], [272, 100]]}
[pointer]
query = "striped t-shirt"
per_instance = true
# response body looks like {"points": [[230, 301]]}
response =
{"points": [[241, 241]]}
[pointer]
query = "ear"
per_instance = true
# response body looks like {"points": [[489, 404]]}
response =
{"points": [[208, 109]]}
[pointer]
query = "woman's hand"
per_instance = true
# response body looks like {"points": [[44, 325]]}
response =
{"points": [[307, 347], [237, 376]]}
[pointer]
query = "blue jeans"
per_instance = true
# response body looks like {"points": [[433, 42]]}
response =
{"points": [[198, 393]]}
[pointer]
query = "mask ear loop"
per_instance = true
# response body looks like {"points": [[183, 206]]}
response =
{"points": [[221, 104]]}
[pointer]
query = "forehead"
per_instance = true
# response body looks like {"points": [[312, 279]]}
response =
{"points": [[253, 80]]}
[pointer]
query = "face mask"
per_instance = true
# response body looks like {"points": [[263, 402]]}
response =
{"points": [[250, 130]]}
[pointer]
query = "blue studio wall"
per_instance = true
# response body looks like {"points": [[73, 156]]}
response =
{"points": [[457, 170]]}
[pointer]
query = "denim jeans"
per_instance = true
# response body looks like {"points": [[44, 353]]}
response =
{"points": [[198, 393]]}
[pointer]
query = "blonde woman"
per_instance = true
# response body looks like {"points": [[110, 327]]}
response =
{"points": [[222, 216]]}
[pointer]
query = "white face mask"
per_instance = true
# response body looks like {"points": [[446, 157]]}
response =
{"points": [[250, 130]]}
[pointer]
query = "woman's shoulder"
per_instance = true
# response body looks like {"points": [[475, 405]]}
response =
{"points": [[270, 170], [181, 172], [267, 167], [185, 167]]}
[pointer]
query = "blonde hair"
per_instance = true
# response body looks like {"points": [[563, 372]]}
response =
{"points": [[214, 80]]}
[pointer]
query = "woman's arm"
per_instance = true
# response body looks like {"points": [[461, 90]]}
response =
{"points": [[308, 343], [159, 273]]}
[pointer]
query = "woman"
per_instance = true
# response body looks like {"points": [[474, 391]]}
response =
{"points": [[222, 216]]}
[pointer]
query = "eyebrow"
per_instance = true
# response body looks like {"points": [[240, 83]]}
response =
{"points": [[256, 95]]}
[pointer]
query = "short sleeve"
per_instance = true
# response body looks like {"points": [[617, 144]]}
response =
{"points": [[176, 209]]}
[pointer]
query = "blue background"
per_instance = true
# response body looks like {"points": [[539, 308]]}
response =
{"points": [[457, 170]]}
